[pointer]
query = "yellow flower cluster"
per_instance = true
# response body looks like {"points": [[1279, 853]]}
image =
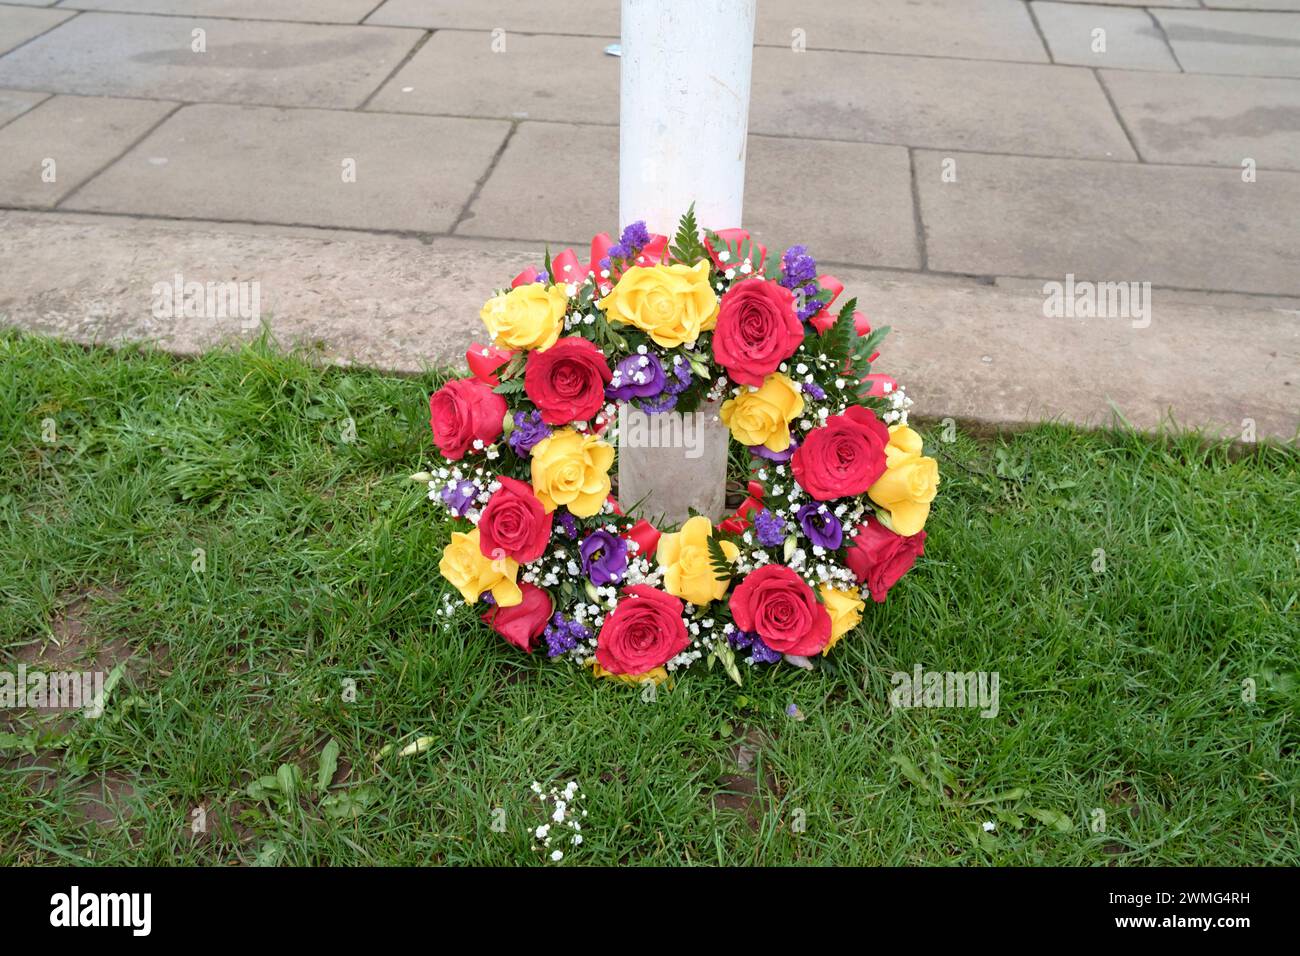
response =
{"points": [[688, 569], [909, 483], [572, 469], [763, 416], [472, 573], [845, 608], [529, 316], [671, 304]]}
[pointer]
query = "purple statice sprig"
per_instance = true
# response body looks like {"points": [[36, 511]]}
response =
{"points": [[563, 634], [799, 275], [749, 641], [634, 238], [769, 528]]}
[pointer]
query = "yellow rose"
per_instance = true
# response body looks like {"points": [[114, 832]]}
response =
{"points": [[572, 469], [845, 609], [672, 304], [530, 316], [471, 572], [688, 569], [909, 483], [763, 416], [656, 675]]}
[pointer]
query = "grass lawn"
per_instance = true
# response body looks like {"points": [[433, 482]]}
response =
{"points": [[1124, 691]]}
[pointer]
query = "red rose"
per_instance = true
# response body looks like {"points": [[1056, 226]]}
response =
{"points": [[567, 381], [780, 607], [757, 330], [523, 623], [879, 557], [843, 457], [462, 411], [514, 523], [644, 632]]}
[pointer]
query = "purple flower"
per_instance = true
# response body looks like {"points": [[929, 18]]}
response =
{"points": [[797, 267], [799, 275], [637, 376], [821, 527], [760, 652], [604, 557], [629, 245], [762, 451], [563, 635], [813, 391], [568, 523], [636, 235], [459, 496], [769, 528], [529, 430], [681, 377], [663, 403]]}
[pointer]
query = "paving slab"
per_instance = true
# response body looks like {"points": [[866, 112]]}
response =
{"points": [[990, 29], [1129, 38], [1222, 41], [848, 202], [14, 103], [969, 351], [20, 24], [467, 73], [311, 11], [587, 17], [280, 64], [924, 101], [1211, 120], [797, 191], [270, 165], [1182, 226], [49, 151], [1253, 5], [1185, 4], [575, 167]]}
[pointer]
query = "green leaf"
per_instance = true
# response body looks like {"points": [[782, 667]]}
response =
{"points": [[329, 763], [718, 561], [347, 804], [1059, 822], [687, 247], [512, 386], [1006, 796], [269, 855], [727, 658], [289, 777]]}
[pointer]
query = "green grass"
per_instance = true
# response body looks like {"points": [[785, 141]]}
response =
{"points": [[1120, 691]]}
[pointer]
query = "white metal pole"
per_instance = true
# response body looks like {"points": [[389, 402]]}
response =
{"points": [[684, 111], [683, 118]]}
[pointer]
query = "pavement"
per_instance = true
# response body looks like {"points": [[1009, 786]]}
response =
{"points": [[376, 168]]}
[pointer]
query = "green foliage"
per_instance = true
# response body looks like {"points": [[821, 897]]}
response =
{"points": [[1122, 689], [686, 246], [718, 562]]}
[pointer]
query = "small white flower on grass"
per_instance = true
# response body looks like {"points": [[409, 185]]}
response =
{"points": [[557, 856], [989, 826]]}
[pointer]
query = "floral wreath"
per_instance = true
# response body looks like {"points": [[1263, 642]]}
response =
{"points": [[838, 486]]}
